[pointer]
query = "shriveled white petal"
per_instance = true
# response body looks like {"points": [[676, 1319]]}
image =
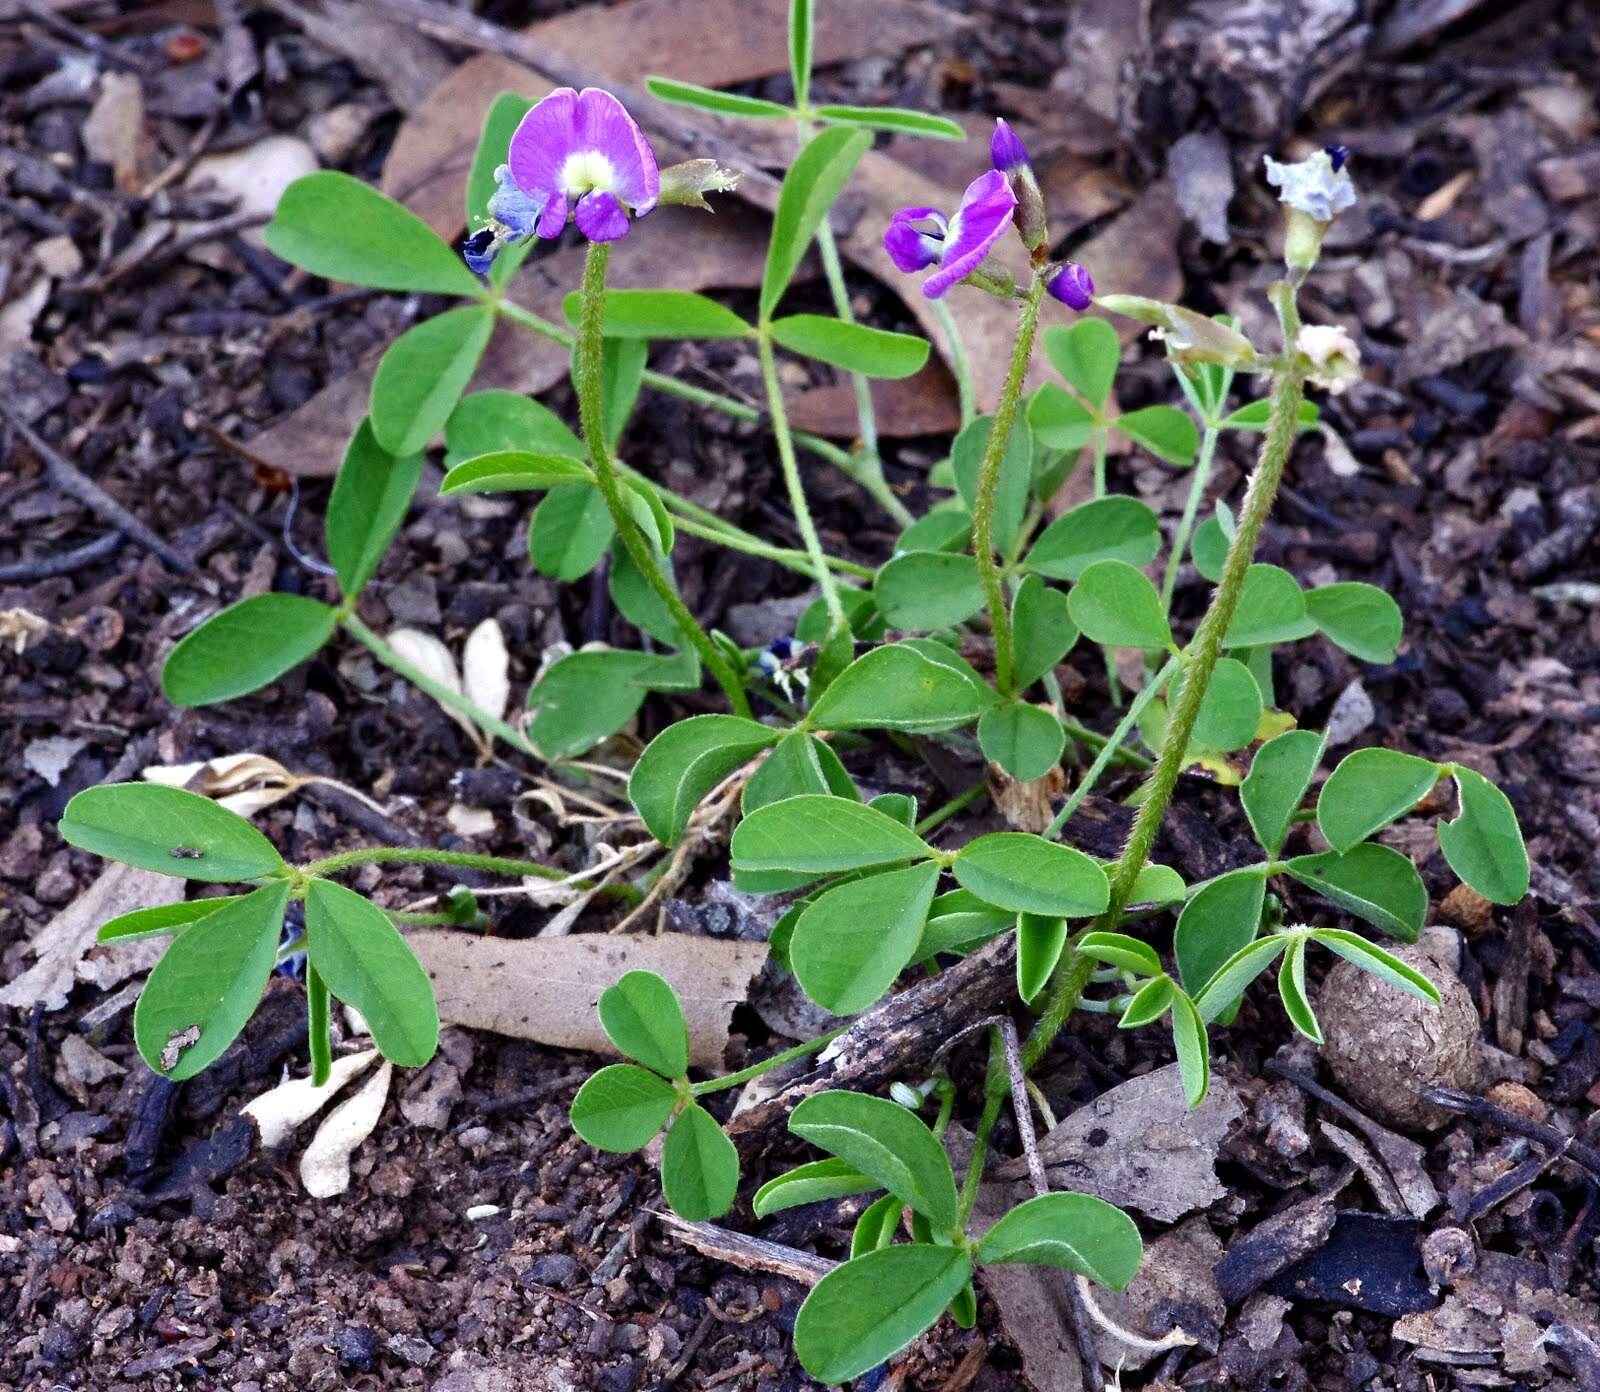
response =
{"points": [[279, 1112], [1335, 357], [1312, 185], [486, 668], [325, 1166], [243, 783], [424, 651]]}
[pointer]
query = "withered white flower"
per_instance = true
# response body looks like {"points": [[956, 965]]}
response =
{"points": [[1318, 186]]}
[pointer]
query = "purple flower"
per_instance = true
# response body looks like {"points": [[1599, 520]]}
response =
{"points": [[580, 155], [1072, 285], [1337, 155], [917, 238], [1006, 150]]}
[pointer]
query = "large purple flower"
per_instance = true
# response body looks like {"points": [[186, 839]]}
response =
{"points": [[580, 155], [957, 246]]}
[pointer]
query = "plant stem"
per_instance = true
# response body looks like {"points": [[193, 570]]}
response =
{"points": [[1109, 749], [993, 1099], [1098, 446], [590, 344], [1066, 989], [418, 855], [989, 483], [959, 365], [444, 695], [1191, 510], [1119, 755], [755, 1070], [685, 391], [796, 487], [940, 815], [780, 555]]}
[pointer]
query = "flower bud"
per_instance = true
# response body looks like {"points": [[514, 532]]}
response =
{"points": [[1315, 190], [1190, 337], [1010, 157], [1072, 285]]}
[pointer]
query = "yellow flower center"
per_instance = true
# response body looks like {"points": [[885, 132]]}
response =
{"points": [[586, 170]]}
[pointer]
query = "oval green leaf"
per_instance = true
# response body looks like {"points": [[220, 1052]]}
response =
{"points": [[1058, 419], [1192, 1047], [854, 347], [1361, 619], [641, 1016], [817, 835], [1228, 983], [1027, 874], [1120, 950], [570, 531], [1114, 604], [810, 188], [368, 503], [685, 762], [1484, 844], [422, 374], [168, 830], [1165, 431], [1371, 881], [663, 314], [622, 1107], [1271, 609], [1292, 991], [1368, 790], [1383, 965], [1042, 631], [709, 99], [161, 920], [897, 687], [699, 1166], [1071, 1232], [492, 422], [821, 1179], [1272, 791], [1117, 528], [1221, 918], [1086, 353], [928, 589], [245, 647], [1025, 740], [1040, 941], [855, 939], [1016, 475], [510, 471]]}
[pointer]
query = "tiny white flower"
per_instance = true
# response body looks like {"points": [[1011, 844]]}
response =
{"points": [[1335, 357], [1318, 186]]}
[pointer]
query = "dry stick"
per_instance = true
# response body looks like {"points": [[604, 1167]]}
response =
{"points": [[66, 477]]}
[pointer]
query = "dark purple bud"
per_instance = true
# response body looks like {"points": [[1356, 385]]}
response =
{"points": [[1006, 150], [477, 251], [1073, 286], [1337, 155]]}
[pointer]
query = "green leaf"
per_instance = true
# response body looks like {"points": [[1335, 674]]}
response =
{"points": [[897, 687], [1116, 605], [622, 1107], [873, 1306], [207, 983], [699, 1166], [1150, 1002], [1484, 843], [1361, 619], [946, 528], [1229, 982], [1258, 414], [1230, 713], [586, 697], [901, 806], [1071, 1232], [319, 1006], [1119, 950], [854, 347], [422, 374], [1116, 528], [685, 762], [494, 421], [1016, 475], [800, 32], [1058, 420], [342, 229], [1370, 881], [821, 836], [570, 531], [810, 188], [1279, 775], [622, 362], [1157, 884], [365, 962], [512, 471], [1025, 740], [368, 503], [800, 763], [1292, 990], [1040, 942], [856, 938], [161, 920], [1371, 958], [641, 1016], [1221, 918], [168, 830], [928, 589], [821, 1179], [663, 314], [1027, 874], [876, 1226], [1165, 431], [245, 647], [1271, 609], [892, 118], [1042, 631], [504, 116], [1193, 1049], [960, 921], [1368, 790], [1209, 549], [1085, 352], [709, 99], [885, 1142]]}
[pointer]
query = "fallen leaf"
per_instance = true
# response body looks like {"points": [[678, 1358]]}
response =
{"points": [[1174, 1286], [325, 1165], [546, 988], [923, 404], [278, 1112], [51, 756], [113, 131], [243, 783], [433, 659]]}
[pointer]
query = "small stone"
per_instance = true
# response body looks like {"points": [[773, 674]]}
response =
{"points": [[1518, 1100], [553, 1269], [85, 1063], [336, 133], [58, 257], [1352, 714]]}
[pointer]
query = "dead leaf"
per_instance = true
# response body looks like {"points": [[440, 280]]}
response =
{"points": [[1140, 1146], [546, 988], [1200, 167], [257, 175], [1174, 1287], [924, 404], [243, 783], [63, 944], [278, 1112], [325, 1165], [113, 131], [51, 756]]}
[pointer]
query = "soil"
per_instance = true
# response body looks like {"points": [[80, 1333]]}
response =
{"points": [[145, 1242]]}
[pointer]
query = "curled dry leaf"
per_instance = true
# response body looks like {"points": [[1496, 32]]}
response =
{"points": [[243, 783], [325, 1166], [278, 1112]]}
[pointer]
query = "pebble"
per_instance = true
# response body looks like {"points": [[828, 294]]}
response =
{"points": [[335, 133], [553, 1269], [58, 257]]}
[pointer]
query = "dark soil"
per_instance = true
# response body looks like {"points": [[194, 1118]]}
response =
{"points": [[143, 1244]]}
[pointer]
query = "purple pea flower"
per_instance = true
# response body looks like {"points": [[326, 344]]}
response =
{"points": [[957, 245], [580, 155], [1072, 285], [1006, 151]]}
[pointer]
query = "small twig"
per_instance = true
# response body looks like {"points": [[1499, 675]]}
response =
{"points": [[63, 562], [75, 484], [1175, 1339], [171, 251], [748, 1253], [1481, 1109]]}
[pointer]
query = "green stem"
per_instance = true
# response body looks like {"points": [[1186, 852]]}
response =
{"points": [[421, 855], [781, 555], [444, 695], [1098, 446], [1119, 755], [994, 1098], [1066, 989], [755, 1070], [959, 366], [1191, 510], [796, 487], [940, 815], [685, 391], [590, 345], [989, 482], [1109, 749]]}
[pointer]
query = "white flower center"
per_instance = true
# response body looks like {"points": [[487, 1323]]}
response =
{"points": [[586, 170]]}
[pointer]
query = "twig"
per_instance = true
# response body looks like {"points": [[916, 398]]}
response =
{"points": [[75, 484], [63, 562], [748, 1253], [1481, 1109], [162, 255]]}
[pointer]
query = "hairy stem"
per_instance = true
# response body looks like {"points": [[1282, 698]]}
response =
{"points": [[796, 487], [790, 559], [755, 1070], [417, 855], [989, 483], [590, 345]]}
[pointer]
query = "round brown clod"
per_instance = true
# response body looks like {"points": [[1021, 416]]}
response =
{"points": [[1384, 1045]]}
